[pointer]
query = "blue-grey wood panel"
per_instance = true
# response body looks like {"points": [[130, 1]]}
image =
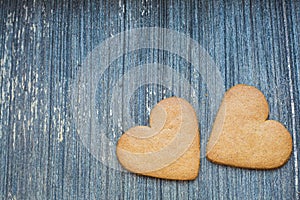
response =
{"points": [[43, 46]]}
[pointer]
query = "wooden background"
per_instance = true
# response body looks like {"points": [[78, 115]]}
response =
{"points": [[43, 45]]}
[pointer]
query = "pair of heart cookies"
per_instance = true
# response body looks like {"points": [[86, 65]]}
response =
{"points": [[241, 137]]}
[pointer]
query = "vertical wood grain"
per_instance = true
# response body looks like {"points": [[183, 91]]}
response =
{"points": [[43, 44]]}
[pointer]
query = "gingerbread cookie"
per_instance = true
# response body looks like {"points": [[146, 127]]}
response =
{"points": [[169, 148], [243, 137]]}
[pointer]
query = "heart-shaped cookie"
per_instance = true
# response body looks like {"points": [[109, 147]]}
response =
{"points": [[169, 148], [243, 137]]}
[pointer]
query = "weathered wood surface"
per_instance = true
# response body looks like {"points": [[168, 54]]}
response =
{"points": [[43, 48]]}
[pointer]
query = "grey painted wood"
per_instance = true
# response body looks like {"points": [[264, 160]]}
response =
{"points": [[43, 46]]}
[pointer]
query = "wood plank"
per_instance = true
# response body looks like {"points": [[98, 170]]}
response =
{"points": [[44, 46]]}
